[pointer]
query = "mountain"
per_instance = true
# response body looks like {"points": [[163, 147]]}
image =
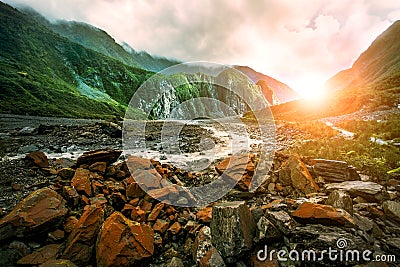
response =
{"points": [[375, 75], [373, 82], [100, 41], [282, 91]]}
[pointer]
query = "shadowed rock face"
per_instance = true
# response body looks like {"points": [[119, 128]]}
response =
{"points": [[42, 210]]}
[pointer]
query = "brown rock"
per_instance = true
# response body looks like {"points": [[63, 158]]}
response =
{"points": [[301, 178], [146, 206], [41, 255], [175, 228], [98, 201], [70, 223], [322, 214], [98, 167], [161, 193], [212, 258], [16, 187], [204, 215], [109, 156], [80, 243], [155, 212], [122, 242], [138, 215], [71, 195], [335, 171], [133, 190], [81, 181], [147, 178], [56, 235], [41, 211], [66, 173], [58, 263], [161, 226], [238, 168], [38, 159], [137, 163]]}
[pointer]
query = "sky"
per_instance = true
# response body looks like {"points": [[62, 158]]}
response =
{"points": [[301, 43]]}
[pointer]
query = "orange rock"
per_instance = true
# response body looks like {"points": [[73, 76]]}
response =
{"points": [[138, 215], [239, 168], [175, 228], [37, 158], [322, 214], [79, 245], [137, 163], [37, 213], [146, 206], [204, 215], [161, 226], [41, 255], [109, 156], [155, 212], [300, 176], [81, 181], [162, 193], [122, 242]]}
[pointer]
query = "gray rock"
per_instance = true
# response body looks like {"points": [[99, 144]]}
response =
{"points": [[340, 199], [392, 210], [175, 262], [27, 131], [204, 252], [335, 171], [282, 221], [232, 228], [370, 191], [266, 231]]}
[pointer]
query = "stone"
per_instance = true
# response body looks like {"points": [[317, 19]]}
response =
{"points": [[335, 171], [322, 214], [204, 215], [80, 243], [238, 168], [70, 223], [266, 231], [175, 228], [392, 210], [16, 187], [155, 212], [212, 258], [66, 173], [137, 163], [71, 195], [370, 191], [37, 158], [122, 242], [175, 262], [232, 228], [161, 226], [81, 181], [39, 212], [168, 192], [202, 245], [99, 167], [88, 158], [301, 179], [149, 179], [58, 263], [281, 221], [133, 190], [42, 255], [340, 199]]}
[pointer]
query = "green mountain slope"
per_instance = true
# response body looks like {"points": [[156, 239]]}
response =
{"points": [[43, 73]]}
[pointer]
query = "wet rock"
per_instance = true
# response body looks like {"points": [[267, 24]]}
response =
{"points": [[122, 242], [42, 255], [81, 181], [392, 210], [109, 156], [300, 177], [322, 214], [37, 158], [368, 190], [203, 250], [335, 171], [281, 220], [232, 228], [80, 243], [58, 263], [340, 199], [41, 211]]}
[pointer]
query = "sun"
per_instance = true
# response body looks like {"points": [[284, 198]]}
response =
{"points": [[311, 88]]}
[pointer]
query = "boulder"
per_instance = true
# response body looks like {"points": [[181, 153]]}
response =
{"points": [[39, 212], [122, 242], [238, 168], [322, 214], [232, 228], [42, 255], [266, 231], [37, 158], [300, 177], [109, 156], [340, 199], [80, 243], [281, 220], [81, 181], [335, 171], [392, 210], [203, 251], [368, 190]]}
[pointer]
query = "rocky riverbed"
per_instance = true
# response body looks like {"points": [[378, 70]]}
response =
{"points": [[68, 210]]}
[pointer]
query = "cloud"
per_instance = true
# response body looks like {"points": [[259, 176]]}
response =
{"points": [[294, 41]]}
